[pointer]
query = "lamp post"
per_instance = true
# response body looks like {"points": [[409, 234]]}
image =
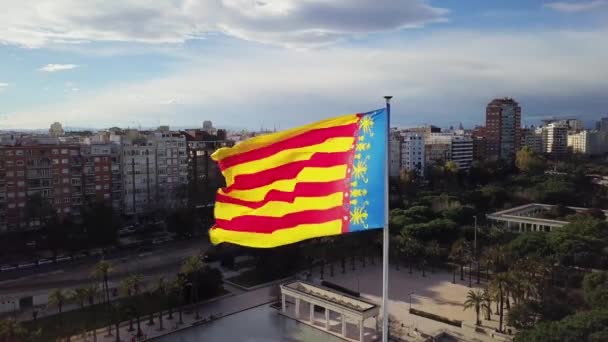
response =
{"points": [[411, 293], [475, 239]]}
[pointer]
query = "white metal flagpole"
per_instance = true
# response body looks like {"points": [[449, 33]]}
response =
{"points": [[385, 232]]}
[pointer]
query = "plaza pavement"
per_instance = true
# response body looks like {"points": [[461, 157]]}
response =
{"points": [[434, 293]]}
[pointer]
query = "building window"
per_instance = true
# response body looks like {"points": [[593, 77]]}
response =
{"points": [[64, 151], [19, 163], [19, 152], [64, 161], [65, 171]]}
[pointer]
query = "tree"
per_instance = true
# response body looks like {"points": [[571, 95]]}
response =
{"points": [[461, 254], [12, 331], [92, 291], [499, 281], [432, 252], [161, 289], [56, 298], [487, 304], [583, 326], [132, 287], [80, 295], [101, 271], [182, 221], [523, 315], [191, 269], [100, 224], [411, 249], [475, 300], [528, 162], [176, 296], [595, 289], [38, 210]]}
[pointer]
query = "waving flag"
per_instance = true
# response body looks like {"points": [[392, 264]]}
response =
{"points": [[322, 179]]}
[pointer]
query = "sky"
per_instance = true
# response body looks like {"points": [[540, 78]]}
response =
{"points": [[281, 63]]}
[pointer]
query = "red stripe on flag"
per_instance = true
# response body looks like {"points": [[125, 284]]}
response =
{"points": [[267, 225], [316, 189], [288, 171], [312, 137]]}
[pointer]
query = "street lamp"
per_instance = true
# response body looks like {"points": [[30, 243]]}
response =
{"points": [[411, 293], [475, 242]]}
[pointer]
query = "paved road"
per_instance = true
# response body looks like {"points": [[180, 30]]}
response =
{"points": [[163, 259]]}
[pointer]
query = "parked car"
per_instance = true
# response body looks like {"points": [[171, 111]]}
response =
{"points": [[44, 262], [5, 268], [63, 258], [26, 265]]}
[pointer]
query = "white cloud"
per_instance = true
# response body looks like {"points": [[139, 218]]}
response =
{"points": [[38, 23], [445, 75], [58, 67], [3, 86], [576, 6]]}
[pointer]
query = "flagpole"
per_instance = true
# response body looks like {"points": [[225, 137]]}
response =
{"points": [[385, 232]]}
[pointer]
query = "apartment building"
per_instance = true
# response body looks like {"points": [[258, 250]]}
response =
{"points": [[444, 147], [154, 166], [412, 152], [503, 128], [555, 138], [588, 142], [28, 169]]}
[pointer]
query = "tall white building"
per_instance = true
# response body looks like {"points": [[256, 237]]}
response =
{"points": [[588, 142], [154, 167], [555, 138], [412, 152], [462, 151]]}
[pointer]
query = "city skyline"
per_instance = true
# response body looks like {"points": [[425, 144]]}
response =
{"points": [[284, 63]]}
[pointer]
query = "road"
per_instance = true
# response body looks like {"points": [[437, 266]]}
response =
{"points": [[161, 259]]}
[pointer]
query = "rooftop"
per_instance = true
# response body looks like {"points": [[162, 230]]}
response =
{"points": [[327, 294]]}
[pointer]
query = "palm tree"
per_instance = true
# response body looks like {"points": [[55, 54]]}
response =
{"points": [[102, 271], [161, 291], [132, 287], [79, 295], [92, 291], [487, 304], [475, 299], [191, 268], [500, 282], [176, 288], [11, 330], [56, 298]]}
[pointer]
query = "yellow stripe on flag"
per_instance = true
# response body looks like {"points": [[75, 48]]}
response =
{"points": [[309, 174], [277, 238], [265, 140], [288, 156], [227, 211]]}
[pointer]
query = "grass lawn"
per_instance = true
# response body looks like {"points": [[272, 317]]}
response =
{"points": [[98, 316]]}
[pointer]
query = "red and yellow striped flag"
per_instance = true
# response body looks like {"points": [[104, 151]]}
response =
{"points": [[294, 185]]}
